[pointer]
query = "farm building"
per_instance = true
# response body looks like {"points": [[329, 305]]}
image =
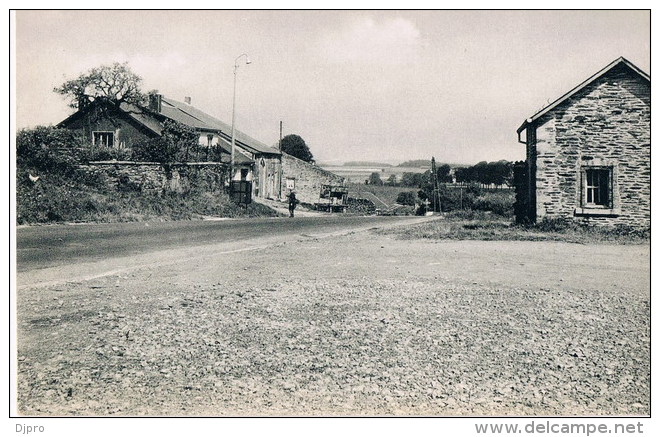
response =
{"points": [[588, 152], [104, 125]]}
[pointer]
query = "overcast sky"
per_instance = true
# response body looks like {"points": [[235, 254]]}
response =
{"points": [[356, 85]]}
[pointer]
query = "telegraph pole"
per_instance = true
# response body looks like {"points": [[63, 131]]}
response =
{"points": [[434, 175], [280, 143]]}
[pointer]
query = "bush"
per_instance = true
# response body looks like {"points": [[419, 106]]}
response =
{"points": [[374, 179], [153, 150], [453, 199], [51, 187], [473, 197], [360, 206], [177, 143], [559, 224], [40, 150], [499, 202], [105, 154], [406, 198]]}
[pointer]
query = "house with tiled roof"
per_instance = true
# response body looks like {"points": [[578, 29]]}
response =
{"points": [[589, 152], [272, 173], [105, 125]]}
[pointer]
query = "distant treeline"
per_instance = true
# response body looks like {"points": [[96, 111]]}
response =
{"points": [[496, 173], [416, 163], [487, 173]]}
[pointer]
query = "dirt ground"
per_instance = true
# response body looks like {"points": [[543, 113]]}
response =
{"points": [[359, 324]]}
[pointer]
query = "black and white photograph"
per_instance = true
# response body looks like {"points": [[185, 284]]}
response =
{"points": [[332, 214]]}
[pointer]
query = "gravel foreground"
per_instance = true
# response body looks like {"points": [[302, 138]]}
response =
{"points": [[353, 325]]}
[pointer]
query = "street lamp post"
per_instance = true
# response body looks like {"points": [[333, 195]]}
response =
{"points": [[233, 116]]}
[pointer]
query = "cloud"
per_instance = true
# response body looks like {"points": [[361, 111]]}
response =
{"points": [[389, 41]]}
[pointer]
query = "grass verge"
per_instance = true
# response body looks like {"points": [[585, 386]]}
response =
{"points": [[476, 225]]}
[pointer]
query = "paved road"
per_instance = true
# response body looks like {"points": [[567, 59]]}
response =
{"points": [[54, 245]]}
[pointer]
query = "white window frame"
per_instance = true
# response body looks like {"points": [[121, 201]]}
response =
{"points": [[102, 133], [591, 207], [593, 186]]}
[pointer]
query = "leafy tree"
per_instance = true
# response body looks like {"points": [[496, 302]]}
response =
{"points": [[413, 179], [501, 172], [444, 173], [497, 173], [294, 145], [177, 143], [480, 172], [391, 181], [464, 174], [406, 198], [114, 84], [374, 179]]}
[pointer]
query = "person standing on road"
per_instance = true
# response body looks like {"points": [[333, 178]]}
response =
{"points": [[292, 203]]}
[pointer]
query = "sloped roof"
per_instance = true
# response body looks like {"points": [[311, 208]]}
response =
{"points": [[580, 87], [191, 116], [141, 115], [188, 115], [239, 158]]}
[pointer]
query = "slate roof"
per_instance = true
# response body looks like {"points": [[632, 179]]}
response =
{"points": [[620, 61], [191, 116]]}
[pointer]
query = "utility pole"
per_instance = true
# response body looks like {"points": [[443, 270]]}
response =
{"points": [[280, 147], [280, 143], [434, 176], [233, 118]]}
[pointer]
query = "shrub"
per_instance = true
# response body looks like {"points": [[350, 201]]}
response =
{"points": [[39, 150], [106, 154], [153, 150], [177, 143], [559, 224], [499, 202], [406, 198], [374, 179], [453, 199], [473, 197]]}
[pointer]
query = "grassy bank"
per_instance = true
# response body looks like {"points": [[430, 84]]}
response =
{"points": [[56, 198], [475, 225], [51, 187]]}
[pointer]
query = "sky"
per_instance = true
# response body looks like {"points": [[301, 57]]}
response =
{"points": [[366, 85]]}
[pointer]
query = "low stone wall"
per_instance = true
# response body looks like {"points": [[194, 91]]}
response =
{"points": [[156, 177], [307, 179]]}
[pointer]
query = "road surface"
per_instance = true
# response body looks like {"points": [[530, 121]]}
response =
{"points": [[41, 247]]}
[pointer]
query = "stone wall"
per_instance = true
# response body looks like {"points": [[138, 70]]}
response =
{"points": [[155, 177], [608, 123], [307, 179]]}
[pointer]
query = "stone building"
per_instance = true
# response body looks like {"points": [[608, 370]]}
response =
{"points": [[305, 179], [269, 170], [589, 152]]}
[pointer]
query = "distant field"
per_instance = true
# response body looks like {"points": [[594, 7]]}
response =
{"points": [[385, 193], [360, 174]]}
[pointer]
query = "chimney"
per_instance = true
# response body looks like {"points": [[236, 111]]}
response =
{"points": [[187, 100], [155, 102]]}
